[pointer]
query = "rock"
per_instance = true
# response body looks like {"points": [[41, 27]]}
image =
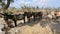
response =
{"points": [[1, 26]]}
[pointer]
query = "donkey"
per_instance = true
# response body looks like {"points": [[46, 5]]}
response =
{"points": [[36, 14], [13, 17], [28, 14]]}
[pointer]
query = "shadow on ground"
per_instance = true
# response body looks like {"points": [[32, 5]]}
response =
{"points": [[31, 23], [43, 22]]}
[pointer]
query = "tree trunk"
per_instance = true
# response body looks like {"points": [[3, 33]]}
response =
{"points": [[7, 5]]}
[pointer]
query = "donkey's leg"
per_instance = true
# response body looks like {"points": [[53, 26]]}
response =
{"points": [[34, 17], [28, 17], [24, 18], [40, 17], [8, 24], [6, 21], [15, 22]]}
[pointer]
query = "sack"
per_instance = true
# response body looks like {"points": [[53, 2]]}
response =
{"points": [[20, 16]]}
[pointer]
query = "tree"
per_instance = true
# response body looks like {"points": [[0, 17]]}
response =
{"points": [[0, 0], [25, 8], [5, 6]]}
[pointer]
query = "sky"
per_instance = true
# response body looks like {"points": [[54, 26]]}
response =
{"points": [[34, 3]]}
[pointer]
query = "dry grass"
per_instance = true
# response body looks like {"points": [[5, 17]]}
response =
{"points": [[36, 29]]}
